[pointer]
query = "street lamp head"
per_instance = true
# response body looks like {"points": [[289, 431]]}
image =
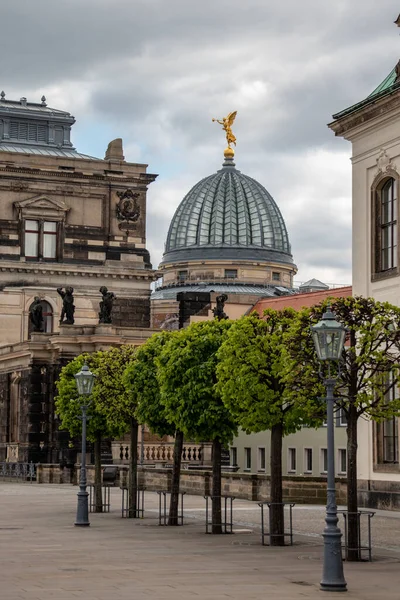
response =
{"points": [[84, 381], [328, 337]]}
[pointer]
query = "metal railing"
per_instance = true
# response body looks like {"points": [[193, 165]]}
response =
{"points": [[139, 512], [18, 471], [226, 513], [105, 495], [269, 533], [366, 530], [163, 514]]}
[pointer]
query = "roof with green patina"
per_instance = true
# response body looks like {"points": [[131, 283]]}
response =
{"points": [[387, 87]]}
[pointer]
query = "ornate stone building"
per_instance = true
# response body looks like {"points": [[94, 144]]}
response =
{"points": [[373, 127], [227, 236], [66, 219]]}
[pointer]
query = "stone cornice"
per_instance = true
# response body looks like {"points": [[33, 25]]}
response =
{"points": [[140, 178], [49, 269], [364, 115]]}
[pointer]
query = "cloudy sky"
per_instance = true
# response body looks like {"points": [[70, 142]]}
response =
{"points": [[155, 72]]}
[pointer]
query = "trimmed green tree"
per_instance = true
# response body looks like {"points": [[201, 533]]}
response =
{"points": [[141, 380], [118, 405], [68, 408], [251, 381], [187, 376], [369, 371]]}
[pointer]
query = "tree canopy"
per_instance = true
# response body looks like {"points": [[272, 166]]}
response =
{"points": [[251, 374], [187, 376]]}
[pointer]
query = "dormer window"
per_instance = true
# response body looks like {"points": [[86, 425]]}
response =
{"points": [[40, 240]]}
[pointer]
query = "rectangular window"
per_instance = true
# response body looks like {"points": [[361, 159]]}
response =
{"points": [[308, 462], [182, 276], [276, 276], [341, 418], [342, 461], [233, 456], [292, 460], [32, 239], [231, 273], [324, 460], [261, 459], [49, 239], [388, 430], [247, 459], [390, 441], [388, 226], [40, 239]]}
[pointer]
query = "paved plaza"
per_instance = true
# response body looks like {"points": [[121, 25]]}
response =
{"points": [[43, 556]]}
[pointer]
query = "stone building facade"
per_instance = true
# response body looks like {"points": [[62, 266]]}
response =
{"points": [[66, 219], [373, 128]]}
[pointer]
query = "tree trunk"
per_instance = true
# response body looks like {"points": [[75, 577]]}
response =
{"points": [[176, 476], [98, 500], [216, 487], [133, 463], [353, 554], [276, 515]]}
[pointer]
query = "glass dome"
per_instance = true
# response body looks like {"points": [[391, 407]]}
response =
{"points": [[227, 215]]}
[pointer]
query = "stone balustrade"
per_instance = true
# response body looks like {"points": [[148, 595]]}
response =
{"points": [[247, 486]]}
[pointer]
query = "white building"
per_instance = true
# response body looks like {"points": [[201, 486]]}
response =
{"points": [[373, 128]]}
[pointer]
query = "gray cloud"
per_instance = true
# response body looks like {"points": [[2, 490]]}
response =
{"points": [[156, 71]]}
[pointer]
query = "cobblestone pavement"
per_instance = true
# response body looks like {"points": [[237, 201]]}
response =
{"points": [[43, 556]]}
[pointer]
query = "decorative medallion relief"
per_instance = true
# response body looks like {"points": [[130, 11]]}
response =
{"points": [[384, 162], [128, 210]]}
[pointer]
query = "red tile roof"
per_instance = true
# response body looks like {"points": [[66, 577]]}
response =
{"points": [[298, 301]]}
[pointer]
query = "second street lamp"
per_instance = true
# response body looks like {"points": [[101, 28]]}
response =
{"points": [[328, 336], [84, 382]]}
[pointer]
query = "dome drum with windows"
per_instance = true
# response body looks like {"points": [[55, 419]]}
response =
{"points": [[228, 227]]}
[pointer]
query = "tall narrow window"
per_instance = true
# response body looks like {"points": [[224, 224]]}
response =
{"points": [[342, 466], [32, 239], [233, 456], [324, 460], [387, 235], [261, 459], [388, 430], [308, 460], [49, 239], [247, 459], [292, 460]]}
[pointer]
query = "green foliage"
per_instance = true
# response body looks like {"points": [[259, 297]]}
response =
{"points": [[108, 410], [140, 379], [110, 394], [68, 403], [371, 352], [251, 374], [186, 372]]}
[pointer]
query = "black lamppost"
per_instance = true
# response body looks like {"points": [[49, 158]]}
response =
{"points": [[328, 336], [84, 383]]}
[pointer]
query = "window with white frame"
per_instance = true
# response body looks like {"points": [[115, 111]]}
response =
{"points": [[233, 456], [341, 417], [308, 460], [388, 431], [324, 460], [261, 459], [292, 460], [40, 239], [342, 460], [247, 459]]}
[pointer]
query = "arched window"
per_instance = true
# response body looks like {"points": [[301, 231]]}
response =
{"points": [[385, 218], [47, 313]]}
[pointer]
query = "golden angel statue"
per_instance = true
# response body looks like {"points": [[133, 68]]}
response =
{"points": [[227, 123]]}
